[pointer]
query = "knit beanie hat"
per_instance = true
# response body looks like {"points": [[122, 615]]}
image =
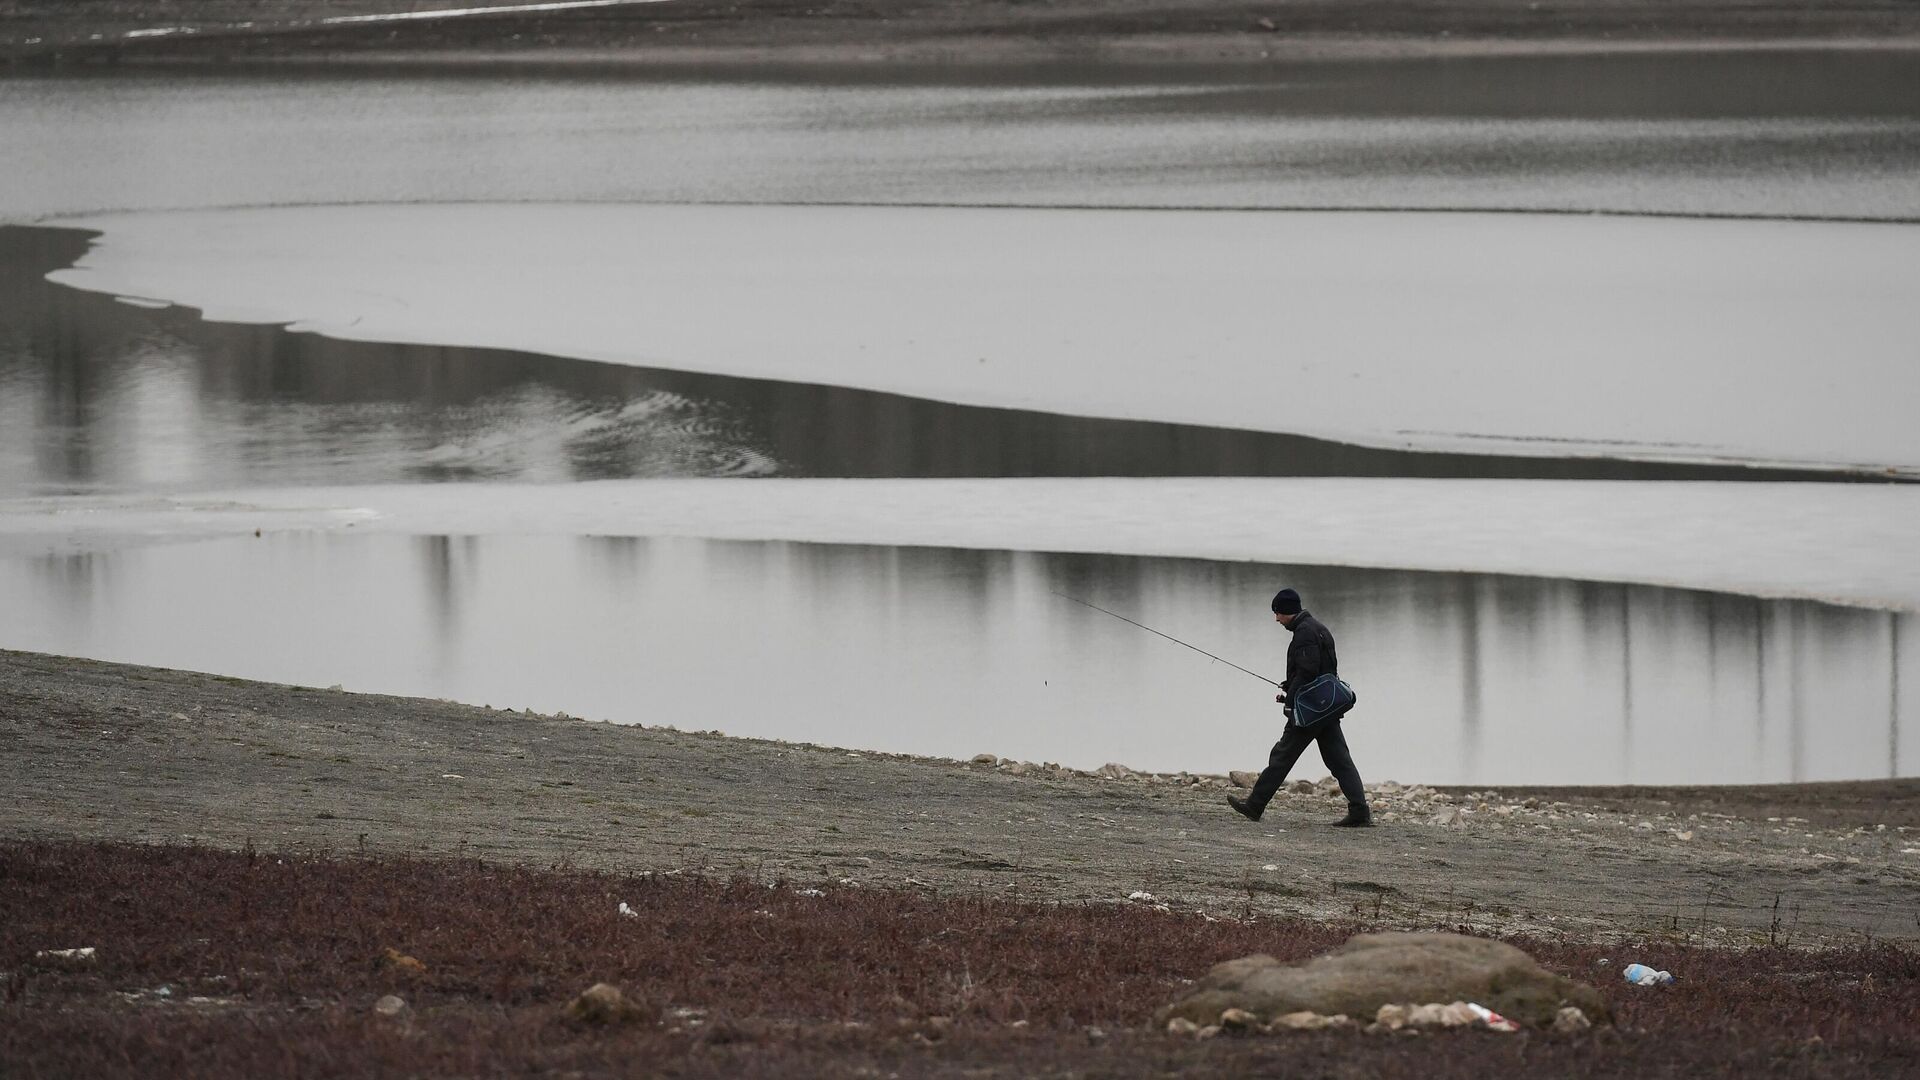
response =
{"points": [[1286, 602]]}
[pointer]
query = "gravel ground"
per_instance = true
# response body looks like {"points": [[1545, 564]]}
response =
{"points": [[108, 751]]}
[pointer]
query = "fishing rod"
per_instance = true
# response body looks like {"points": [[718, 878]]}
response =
{"points": [[1169, 637]]}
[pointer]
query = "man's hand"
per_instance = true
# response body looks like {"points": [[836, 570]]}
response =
{"points": [[1281, 698]]}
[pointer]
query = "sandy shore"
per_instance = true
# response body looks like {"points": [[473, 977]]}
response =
{"points": [[108, 751], [921, 33]]}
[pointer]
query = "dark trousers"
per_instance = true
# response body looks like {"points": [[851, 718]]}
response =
{"points": [[1333, 751]]}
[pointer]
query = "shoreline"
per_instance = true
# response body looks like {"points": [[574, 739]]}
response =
{"points": [[116, 752], [980, 33]]}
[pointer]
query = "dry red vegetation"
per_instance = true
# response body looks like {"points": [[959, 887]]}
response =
{"points": [[294, 952]]}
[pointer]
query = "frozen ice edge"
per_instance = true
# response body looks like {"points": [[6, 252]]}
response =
{"points": [[1722, 342], [1848, 544]]}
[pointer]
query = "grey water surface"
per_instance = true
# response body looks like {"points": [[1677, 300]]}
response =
{"points": [[1817, 132], [1462, 678]]}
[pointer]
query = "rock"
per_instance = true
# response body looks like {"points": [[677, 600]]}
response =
{"points": [[1301, 787], [1238, 1021], [1309, 1021], [1023, 768], [401, 962], [1449, 816], [1427, 1016], [1372, 970], [71, 956], [1096, 1035], [985, 759], [603, 1003], [1570, 1020], [1113, 770], [1242, 779], [1207, 1032], [391, 1005], [1392, 1017], [1180, 1025]]}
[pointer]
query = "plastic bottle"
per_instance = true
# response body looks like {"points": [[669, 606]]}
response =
{"points": [[1642, 975]]}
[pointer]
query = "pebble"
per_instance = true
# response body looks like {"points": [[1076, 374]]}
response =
{"points": [[1239, 1020], [1570, 1020]]}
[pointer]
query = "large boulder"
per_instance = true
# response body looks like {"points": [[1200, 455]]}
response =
{"points": [[1372, 970]]}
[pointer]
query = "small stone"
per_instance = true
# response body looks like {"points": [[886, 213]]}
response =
{"points": [[1180, 1025], [1113, 770], [1301, 787], [1302, 1021], [1023, 768], [76, 956], [1391, 1017], [985, 759], [603, 1003], [391, 1005], [1570, 1020], [1208, 1032], [1239, 1021], [401, 962], [1242, 779], [1096, 1035]]}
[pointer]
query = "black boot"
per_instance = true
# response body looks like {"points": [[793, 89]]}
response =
{"points": [[1357, 815], [1246, 809]]}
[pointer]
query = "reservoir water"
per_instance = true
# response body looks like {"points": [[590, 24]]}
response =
{"points": [[1467, 678], [1462, 678]]}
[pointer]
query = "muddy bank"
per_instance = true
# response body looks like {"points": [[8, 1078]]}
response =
{"points": [[217, 964], [108, 751], [993, 31]]}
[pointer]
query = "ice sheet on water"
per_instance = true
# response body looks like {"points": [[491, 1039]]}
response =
{"points": [[1846, 543], [1755, 341]]}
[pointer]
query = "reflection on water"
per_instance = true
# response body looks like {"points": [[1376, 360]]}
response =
{"points": [[97, 395], [1462, 678]]}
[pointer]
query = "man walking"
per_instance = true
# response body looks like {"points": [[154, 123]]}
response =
{"points": [[1308, 657]]}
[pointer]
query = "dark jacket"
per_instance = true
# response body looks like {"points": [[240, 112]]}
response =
{"points": [[1311, 653]]}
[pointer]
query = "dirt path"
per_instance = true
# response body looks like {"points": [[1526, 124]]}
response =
{"points": [[109, 751]]}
